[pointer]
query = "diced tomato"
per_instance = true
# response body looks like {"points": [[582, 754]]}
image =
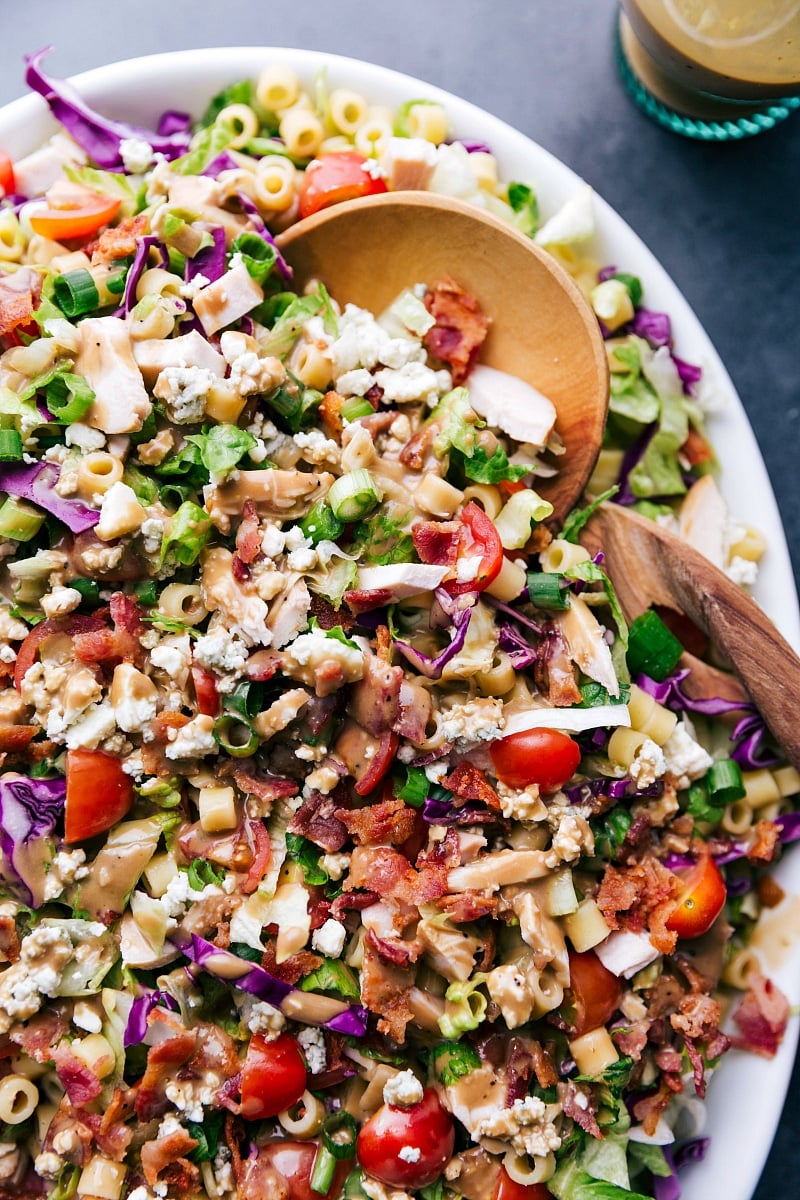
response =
{"points": [[273, 1078], [701, 901], [8, 184], [294, 1161], [508, 1189], [426, 1127], [595, 992], [73, 212], [99, 794], [451, 543], [696, 449], [26, 655], [379, 764], [206, 691], [334, 177], [544, 756]]}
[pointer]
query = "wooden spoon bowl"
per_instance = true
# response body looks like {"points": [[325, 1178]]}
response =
{"points": [[648, 565], [543, 330]]}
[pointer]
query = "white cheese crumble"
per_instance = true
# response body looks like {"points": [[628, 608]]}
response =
{"points": [[685, 760], [403, 1090], [525, 1125], [313, 1043], [66, 868], [329, 939], [475, 721], [649, 764], [409, 1154]]}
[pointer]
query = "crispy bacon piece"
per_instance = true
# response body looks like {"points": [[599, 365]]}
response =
{"points": [[650, 1108], [462, 907], [417, 447], [19, 295], [580, 1102], [15, 738], [253, 782], [79, 1081], [466, 782], [698, 1017], [460, 328], [162, 1060], [554, 671], [111, 1134], [248, 535], [161, 1152], [362, 600], [384, 990], [293, 968], [38, 1036], [437, 542], [393, 950], [352, 902], [761, 1016], [327, 616], [319, 819], [390, 821], [9, 939], [385, 871], [118, 242], [766, 842], [120, 644], [375, 698], [330, 413], [632, 1040], [640, 896], [261, 1181]]}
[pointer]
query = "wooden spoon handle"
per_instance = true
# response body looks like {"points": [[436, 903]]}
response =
{"points": [[649, 565]]}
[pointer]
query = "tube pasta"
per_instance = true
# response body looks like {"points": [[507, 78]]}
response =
{"points": [[560, 555], [311, 366], [525, 1171], [741, 966], [487, 496], [750, 545], [301, 131], [649, 717], [760, 788], [788, 780], [347, 110], [586, 927], [158, 282], [624, 744], [310, 1115], [737, 817], [373, 134], [12, 239], [545, 990], [153, 317], [594, 1051], [102, 1178], [335, 144], [500, 679], [437, 497], [182, 602], [97, 472], [243, 120], [275, 183], [277, 88], [428, 121], [484, 168], [19, 1097]]}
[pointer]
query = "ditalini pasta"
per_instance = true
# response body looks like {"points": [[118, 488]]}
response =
{"points": [[353, 844]]}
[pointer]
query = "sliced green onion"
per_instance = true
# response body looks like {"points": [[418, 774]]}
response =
{"points": [[548, 590], [354, 495], [415, 789], [652, 649], [19, 521], [339, 1133], [355, 407], [724, 782], [69, 398], [76, 293], [323, 1170], [115, 284], [10, 445], [146, 593], [319, 524], [88, 588], [235, 737]]}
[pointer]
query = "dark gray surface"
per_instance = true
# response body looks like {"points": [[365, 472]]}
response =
{"points": [[722, 219]]}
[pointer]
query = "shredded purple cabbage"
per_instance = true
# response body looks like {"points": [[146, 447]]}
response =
{"points": [[473, 146], [607, 272], [629, 460], [172, 121], [689, 373], [521, 653], [223, 162], [512, 613], [692, 1151], [666, 1187], [460, 618], [442, 812], [655, 327], [136, 1028], [36, 482], [29, 809], [135, 271], [615, 789], [97, 135], [253, 979], [210, 261]]}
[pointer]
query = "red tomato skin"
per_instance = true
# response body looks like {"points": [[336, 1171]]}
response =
{"points": [[295, 1162], [596, 992], [427, 1126], [508, 1189], [544, 756], [74, 212], [206, 691], [8, 184], [99, 794], [477, 536], [334, 177], [700, 902], [273, 1078]]}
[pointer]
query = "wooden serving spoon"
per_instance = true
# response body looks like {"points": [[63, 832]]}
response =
{"points": [[542, 328], [649, 565]]}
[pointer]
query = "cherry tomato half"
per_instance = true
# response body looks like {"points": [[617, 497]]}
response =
{"points": [[544, 756], [334, 177], [295, 1162], [74, 212], [596, 992], [273, 1078], [508, 1189], [426, 1127], [8, 184], [99, 794], [478, 538], [701, 901]]}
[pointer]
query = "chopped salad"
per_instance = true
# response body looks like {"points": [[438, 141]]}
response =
{"points": [[352, 842]]}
